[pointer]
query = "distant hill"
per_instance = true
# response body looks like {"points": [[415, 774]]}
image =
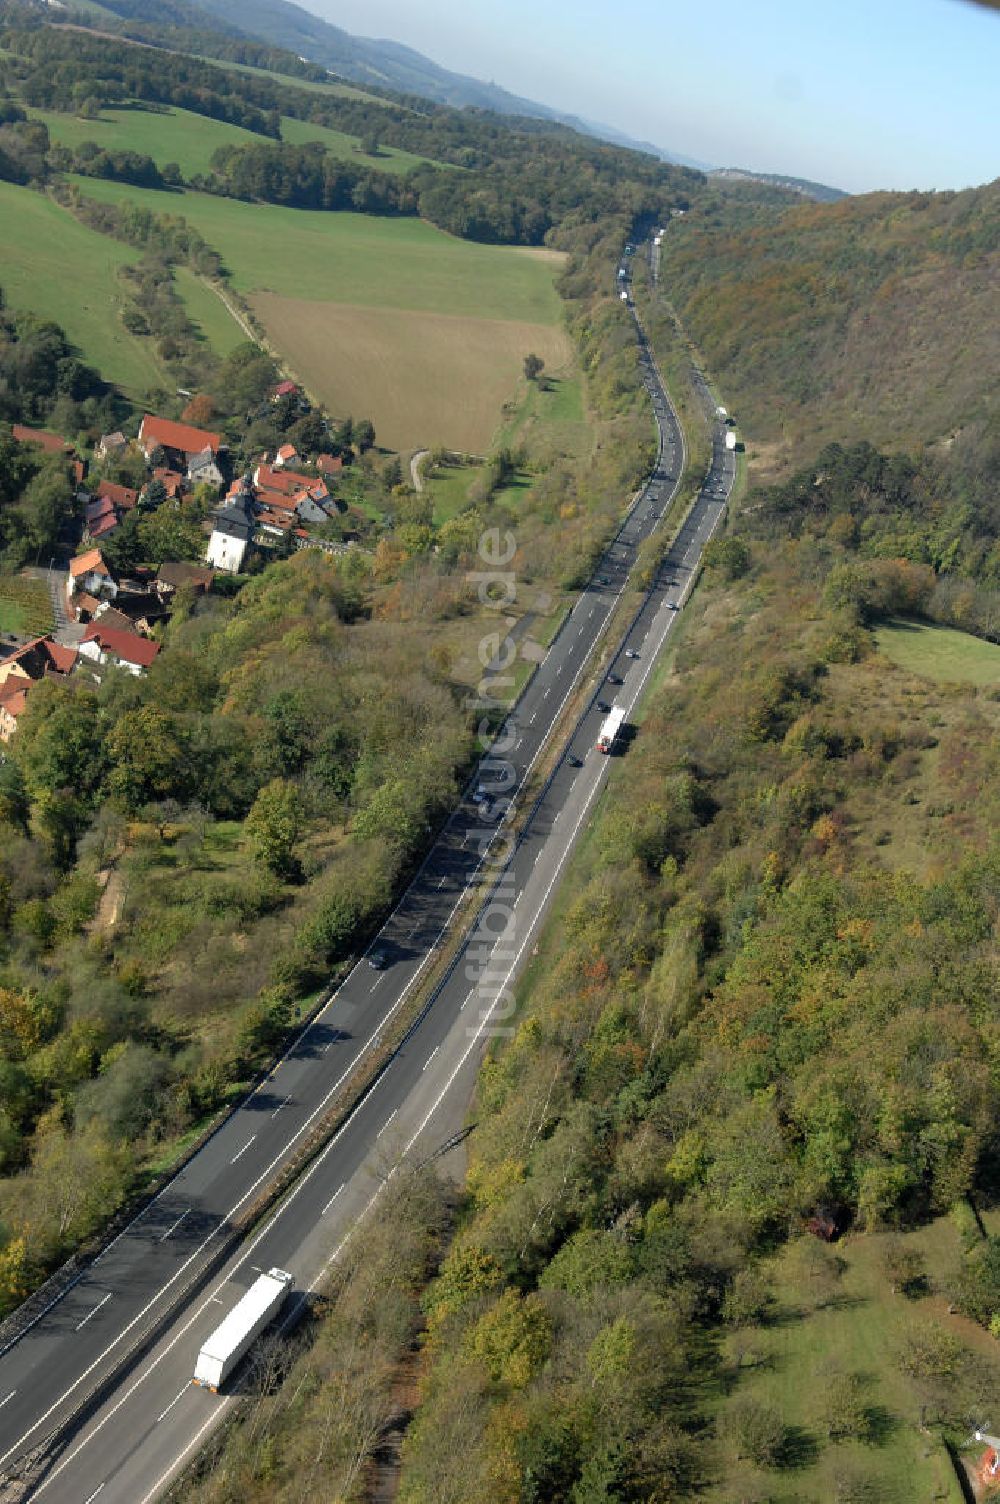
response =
{"points": [[818, 191], [374, 63], [870, 318]]}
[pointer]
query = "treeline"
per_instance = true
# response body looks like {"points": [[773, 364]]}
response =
{"points": [[521, 178], [308, 177], [75, 71], [914, 536], [42, 382]]}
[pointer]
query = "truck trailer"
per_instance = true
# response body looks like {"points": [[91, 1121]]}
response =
{"points": [[228, 1343], [610, 727], [730, 439]]}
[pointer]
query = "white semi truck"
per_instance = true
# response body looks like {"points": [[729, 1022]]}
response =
{"points": [[730, 439], [228, 1343], [610, 727]]}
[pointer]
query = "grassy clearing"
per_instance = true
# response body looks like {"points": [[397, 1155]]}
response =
{"points": [[55, 267], [25, 606], [449, 488], [940, 653], [820, 1326], [208, 312], [171, 136], [390, 158], [360, 259]]}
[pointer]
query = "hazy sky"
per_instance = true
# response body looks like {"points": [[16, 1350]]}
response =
{"points": [[857, 93]]}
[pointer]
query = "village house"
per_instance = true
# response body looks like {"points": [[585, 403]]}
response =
{"points": [[179, 443], [173, 577], [123, 497], [233, 527], [329, 465], [21, 671], [284, 389], [110, 446], [173, 482], [286, 455], [203, 470], [88, 572], [118, 647]]}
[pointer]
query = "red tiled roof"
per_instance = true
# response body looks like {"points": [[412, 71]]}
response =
{"points": [[40, 656], [284, 389], [181, 436], [102, 506], [53, 443], [122, 496], [172, 480], [127, 645], [283, 480], [14, 695], [327, 464], [91, 561], [101, 526], [287, 452]]}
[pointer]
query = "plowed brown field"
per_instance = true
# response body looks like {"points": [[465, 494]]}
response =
{"points": [[423, 378]]}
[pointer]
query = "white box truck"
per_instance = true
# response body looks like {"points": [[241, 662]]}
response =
{"points": [[610, 727], [228, 1343], [730, 439]]}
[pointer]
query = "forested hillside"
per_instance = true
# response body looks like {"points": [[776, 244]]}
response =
{"points": [[872, 318]]}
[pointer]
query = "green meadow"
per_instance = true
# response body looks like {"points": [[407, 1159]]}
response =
{"points": [[53, 266], [174, 135], [359, 259], [940, 653]]}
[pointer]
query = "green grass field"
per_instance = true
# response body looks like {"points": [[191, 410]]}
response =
{"points": [[189, 140], [53, 266], [359, 259], [173, 136], [25, 605], [940, 653], [208, 312], [338, 144], [853, 1324]]}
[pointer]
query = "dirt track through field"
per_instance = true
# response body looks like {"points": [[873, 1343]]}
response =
{"points": [[423, 378]]}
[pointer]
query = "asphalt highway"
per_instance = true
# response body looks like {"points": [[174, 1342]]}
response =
{"points": [[123, 1445]]}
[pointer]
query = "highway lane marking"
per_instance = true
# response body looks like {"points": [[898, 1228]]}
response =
{"points": [[387, 1122], [268, 1169], [243, 1150], [547, 693], [9, 1397], [430, 1057], [468, 1000], [91, 1497], [443, 881], [332, 1200], [175, 1226], [382, 975], [280, 1105], [94, 1312], [163, 1478], [531, 722], [173, 1402]]}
